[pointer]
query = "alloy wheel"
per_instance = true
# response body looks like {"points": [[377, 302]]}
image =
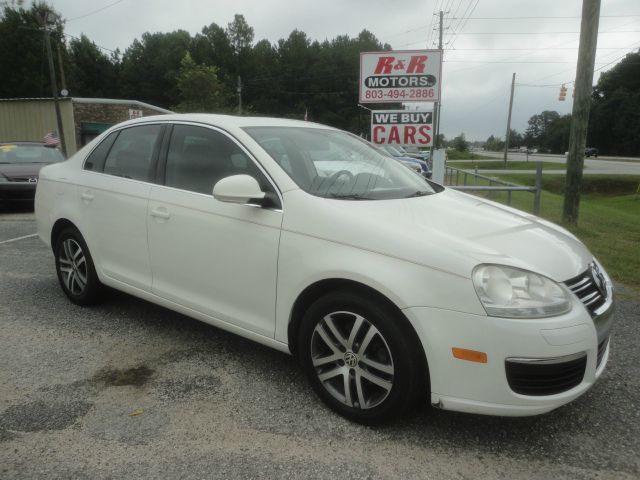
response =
{"points": [[73, 266], [352, 360]]}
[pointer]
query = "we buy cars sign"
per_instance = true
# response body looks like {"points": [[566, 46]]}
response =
{"points": [[400, 76], [402, 127]]}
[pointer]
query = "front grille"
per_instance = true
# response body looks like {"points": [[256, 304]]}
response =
{"points": [[544, 377], [585, 287], [602, 347]]}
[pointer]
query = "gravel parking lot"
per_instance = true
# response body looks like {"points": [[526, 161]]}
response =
{"points": [[129, 389]]}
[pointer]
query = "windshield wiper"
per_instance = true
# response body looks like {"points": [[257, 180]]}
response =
{"points": [[348, 196], [418, 193]]}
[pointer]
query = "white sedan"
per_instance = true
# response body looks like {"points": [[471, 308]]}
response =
{"points": [[389, 289]]}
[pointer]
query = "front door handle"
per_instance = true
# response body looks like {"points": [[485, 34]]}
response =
{"points": [[161, 213]]}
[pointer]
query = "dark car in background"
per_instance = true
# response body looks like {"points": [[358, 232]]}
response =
{"points": [[20, 164], [591, 152], [412, 162]]}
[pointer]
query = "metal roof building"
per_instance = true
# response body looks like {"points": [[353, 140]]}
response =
{"points": [[30, 119]]}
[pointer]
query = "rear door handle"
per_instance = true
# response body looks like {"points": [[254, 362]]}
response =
{"points": [[87, 197], [160, 212]]}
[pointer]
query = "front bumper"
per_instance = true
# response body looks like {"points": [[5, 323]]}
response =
{"points": [[484, 387], [18, 191]]}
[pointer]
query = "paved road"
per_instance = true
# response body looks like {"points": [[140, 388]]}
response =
{"points": [[131, 390], [592, 166]]}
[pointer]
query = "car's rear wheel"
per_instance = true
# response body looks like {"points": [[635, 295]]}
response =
{"points": [[76, 271], [362, 359]]}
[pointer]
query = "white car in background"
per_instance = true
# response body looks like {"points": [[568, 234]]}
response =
{"points": [[390, 289]]}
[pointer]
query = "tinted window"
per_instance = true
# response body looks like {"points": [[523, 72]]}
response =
{"points": [[132, 153], [95, 161], [199, 157]]}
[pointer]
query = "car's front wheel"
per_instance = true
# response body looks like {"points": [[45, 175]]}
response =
{"points": [[362, 359], [76, 271]]}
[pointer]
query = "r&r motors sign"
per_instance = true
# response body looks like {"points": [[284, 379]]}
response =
{"points": [[400, 76], [402, 127]]}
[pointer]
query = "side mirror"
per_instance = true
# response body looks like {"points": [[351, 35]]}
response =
{"points": [[238, 189]]}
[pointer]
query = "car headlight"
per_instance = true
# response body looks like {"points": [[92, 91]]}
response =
{"points": [[514, 293], [3, 179]]}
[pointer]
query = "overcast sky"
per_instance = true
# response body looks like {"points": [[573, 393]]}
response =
{"points": [[475, 92]]}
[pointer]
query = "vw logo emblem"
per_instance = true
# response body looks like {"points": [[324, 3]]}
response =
{"points": [[350, 359], [598, 278]]}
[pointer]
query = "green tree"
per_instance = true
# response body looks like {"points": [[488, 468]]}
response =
{"points": [[538, 129], [557, 136], [240, 35], [200, 90], [150, 67], [614, 120], [515, 139], [22, 53], [494, 144], [460, 143], [91, 72]]}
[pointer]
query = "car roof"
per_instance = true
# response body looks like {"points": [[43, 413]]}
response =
{"points": [[228, 120]]}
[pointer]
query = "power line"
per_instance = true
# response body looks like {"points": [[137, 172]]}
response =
{"points": [[500, 61], [541, 33], [80, 39], [629, 48], [453, 39], [531, 48], [452, 26], [548, 18], [94, 11]]}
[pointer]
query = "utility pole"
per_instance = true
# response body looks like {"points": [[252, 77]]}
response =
{"points": [[580, 111], [63, 80], [239, 95], [436, 105], [506, 137], [54, 85]]}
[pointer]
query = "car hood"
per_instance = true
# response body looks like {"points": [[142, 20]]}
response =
{"points": [[450, 231], [12, 170]]}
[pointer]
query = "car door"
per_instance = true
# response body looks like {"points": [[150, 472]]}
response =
{"points": [[217, 258], [114, 193]]}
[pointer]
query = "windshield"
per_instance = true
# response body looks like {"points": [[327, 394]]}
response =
{"points": [[335, 164], [16, 153], [393, 150]]}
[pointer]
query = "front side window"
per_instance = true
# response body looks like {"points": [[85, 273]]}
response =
{"points": [[335, 164], [132, 153], [199, 157]]}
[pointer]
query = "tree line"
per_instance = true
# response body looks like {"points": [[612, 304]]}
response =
{"points": [[295, 77], [614, 119]]}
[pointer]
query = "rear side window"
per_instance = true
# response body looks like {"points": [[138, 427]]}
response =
{"points": [[95, 161], [133, 151], [199, 157]]}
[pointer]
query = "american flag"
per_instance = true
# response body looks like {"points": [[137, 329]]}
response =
{"points": [[52, 138]]}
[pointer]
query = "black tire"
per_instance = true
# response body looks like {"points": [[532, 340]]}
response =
{"points": [[394, 344], [78, 278]]}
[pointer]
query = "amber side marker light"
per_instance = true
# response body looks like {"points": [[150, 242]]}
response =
{"points": [[470, 355]]}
